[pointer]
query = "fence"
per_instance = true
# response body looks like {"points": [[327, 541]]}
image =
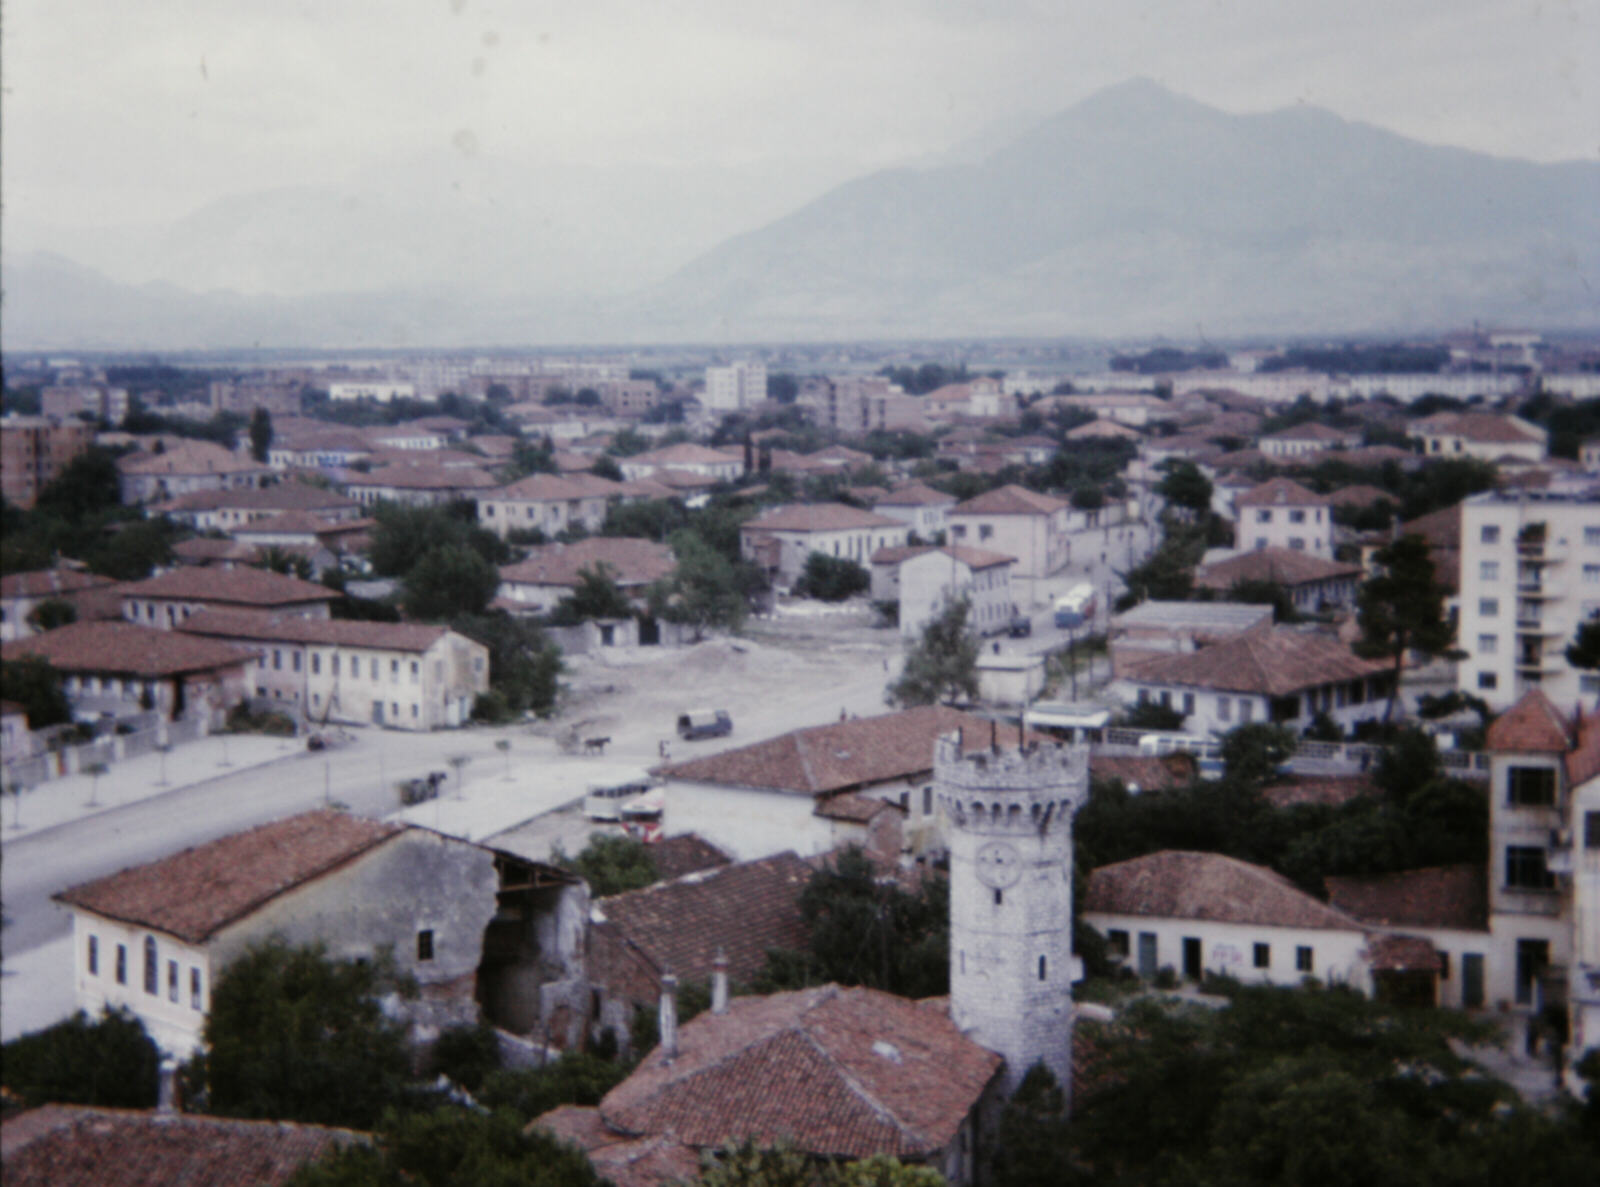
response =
{"points": [[57, 759]]}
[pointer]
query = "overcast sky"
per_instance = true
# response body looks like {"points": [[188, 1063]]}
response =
{"points": [[127, 110]]}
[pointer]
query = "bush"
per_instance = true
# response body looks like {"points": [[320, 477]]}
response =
{"points": [[1151, 715], [467, 1055], [108, 1062], [831, 578], [1166, 977], [242, 721], [491, 708], [574, 1079]]}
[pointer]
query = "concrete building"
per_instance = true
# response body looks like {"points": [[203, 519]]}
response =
{"points": [[685, 458], [735, 387], [1313, 583], [398, 674], [552, 572], [154, 938], [1282, 675], [932, 579], [1481, 435], [34, 450], [549, 502], [1176, 628], [1017, 522], [169, 598], [224, 510], [1281, 513], [1530, 573], [780, 539], [371, 389], [97, 401], [421, 485]]}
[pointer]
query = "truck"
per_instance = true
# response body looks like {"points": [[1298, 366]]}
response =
{"points": [[1075, 607]]}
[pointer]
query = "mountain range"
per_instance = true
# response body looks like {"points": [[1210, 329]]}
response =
{"points": [[1136, 212]]}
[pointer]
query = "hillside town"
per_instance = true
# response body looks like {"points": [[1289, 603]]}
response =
{"points": [[803, 760]]}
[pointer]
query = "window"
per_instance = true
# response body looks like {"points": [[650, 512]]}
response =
{"points": [[172, 980], [1488, 681], [296, 659], [1490, 534], [927, 801], [194, 988], [999, 896], [1224, 708], [1042, 967], [374, 669], [277, 659], [959, 531], [1297, 517], [1488, 607], [394, 669], [1302, 959], [1444, 966], [1188, 703], [413, 711], [151, 972], [1591, 537], [425, 944], [94, 953], [1247, 709], [1117, 942], [316, 663], [1591, 574], [1488, 570], [1263, 517], [1262, 956], [416, 671], [1525, 868], [122, 964], [1531, 787], [1488, 644], [335, 663], [985, 532], [1591, 830], [1297, 544]]}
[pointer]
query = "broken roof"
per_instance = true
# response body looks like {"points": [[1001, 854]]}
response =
{"points": [[196, 893], [840, 1072], [1181, 884]]}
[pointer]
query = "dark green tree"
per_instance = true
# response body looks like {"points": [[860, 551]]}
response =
{"points": [[524, 667], [596, 596], [1402, 610], [1185, 486], [606, 466], [577, 1078], [36, 686], [133, 549], [51, 613], [831, 578], [942, 667], [449, 580], [612, 864], [110, 1061], [295, 1036], [1584, 650], [88, 485], [1031, 1147], [704, 592], [1251, 754], [260, 434]]}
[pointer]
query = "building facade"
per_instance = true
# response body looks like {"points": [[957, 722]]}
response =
{"points": [[1283, 514], [34, 450]]}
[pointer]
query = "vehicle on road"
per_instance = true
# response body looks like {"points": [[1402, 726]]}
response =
{"points": [[704, 723], [1075, 607], [1020, 627], [605, 801]]}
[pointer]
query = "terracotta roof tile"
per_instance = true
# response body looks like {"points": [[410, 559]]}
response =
{"points": [[195, 893], [255, 626], [630, 562], [741, 910], [1532, 725], [843, 755], [977, 558], [76, 1146], [1148, 774], [684, 454], [916, 494], [429, 476], [817, 517], [237, 587], [656, 1161], [848, 806], [1402, 954], [1280, 492], [1282, 566], [189, 457], [1329, 790], [125, 648], [841, 1072], [47, 583], [1271, 663], [686, 853], [1010, 500], [556, 488], [1179, 884], [282, 496], [1475, 426], [1313, 431], [1454, 897]]}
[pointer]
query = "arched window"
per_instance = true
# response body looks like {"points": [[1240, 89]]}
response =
{"points": [[1041, 968], [151, 972]]}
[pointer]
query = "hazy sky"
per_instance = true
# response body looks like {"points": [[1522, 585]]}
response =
{"points": [[126, 110]]}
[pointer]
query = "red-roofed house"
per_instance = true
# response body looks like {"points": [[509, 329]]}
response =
{"points": [[1017, 522], [153, 938], [185, 467], [1305, 439], [22, 593], [919, 506], [1281, 513], [780, 539], [1481, 435], [931, 580], [549, 502], [698, 461], [551, 572], [167, 599]]}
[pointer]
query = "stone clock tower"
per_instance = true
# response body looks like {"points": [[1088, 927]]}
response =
{"points": [[1008, 818]]}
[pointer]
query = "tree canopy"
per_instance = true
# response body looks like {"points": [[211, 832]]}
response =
{"points": [[449, 579], [109, 1061], [1402, 609], [612, 864], [942, 666], [831, 578]]}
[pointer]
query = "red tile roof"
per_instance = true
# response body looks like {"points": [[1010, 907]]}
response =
{"points": [[1329, 790], [1361, 495], [1010, 500], [125, 648], [1402, 954], [1282, 566], [916, 494], [686, 853], [684, 454], [48, 583], [1270, 663], [425, 477], [539, 488], [818, 517], [283, 496], [741, 910], [255, 626], [1147, 774], [1179, 884], [840, 1072], [189, 457], [630, 562], [850, 807], [195, 893], [77, 1146], [1532, 726], [840, 756], [236, 587], [1312, 432], [1475, 426], [657, 1161], [1455, 897], [1280, 492]]}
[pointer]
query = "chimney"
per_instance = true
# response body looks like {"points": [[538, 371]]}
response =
{"points": [[167, 1086], [667, 1020], [719, 983]]}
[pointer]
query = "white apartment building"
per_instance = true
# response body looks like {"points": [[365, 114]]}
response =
{"points": [[380, 390], [552, 503], [1530, 573], [1018, 522], [932, 580], [782, 538], [1306, 439], [1283, 514], [918, 506], [737, 386]]}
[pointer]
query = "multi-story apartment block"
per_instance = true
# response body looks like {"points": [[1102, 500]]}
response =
{"points": [[98, 401], [1530, 573], [34, 450], [740, 385]]}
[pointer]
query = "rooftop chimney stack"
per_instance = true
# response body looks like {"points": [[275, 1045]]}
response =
{"points": [[719, 983], [668, 1018], [167, 1086]]}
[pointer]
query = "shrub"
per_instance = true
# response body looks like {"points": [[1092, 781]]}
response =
{"points": [[110, 1061]]}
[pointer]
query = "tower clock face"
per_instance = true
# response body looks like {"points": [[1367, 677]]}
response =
{"points": [[999, 865]]}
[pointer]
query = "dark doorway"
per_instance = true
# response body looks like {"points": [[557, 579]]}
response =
{"points": [[1471, 980], [1191, 958], [1532, 957], [649, 631], [1147, 955], [377, 712]]}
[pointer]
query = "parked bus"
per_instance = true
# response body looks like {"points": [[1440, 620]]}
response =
{"points": [[1075, 607]]}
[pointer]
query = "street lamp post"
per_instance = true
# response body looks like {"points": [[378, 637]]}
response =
{"points": [[504, 747], [458, 761], [163, 749], [94, 770]]}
